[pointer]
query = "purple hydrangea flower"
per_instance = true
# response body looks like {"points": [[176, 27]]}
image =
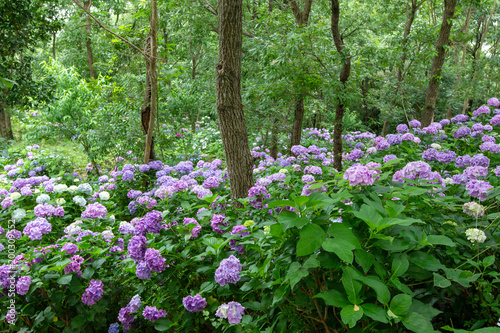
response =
{"points": [[149, 223], [23, 285], [211, 182], [142, 271], [194, 303], [355, 154], [228, 271], [495, 120], [360, 175], [133, 194], [44, 210], [415, 123], [152, 314], [478, 189], [383, 145], [93, 293], [490, 146], [388, 158], [232, 311], [94, 211], [134, 303], [216, 221], [74, 265], [137, 247], [461, 132], [154, 260], [70, 248], [402, 128], [314, 170], [36, 228], [480, 159], [126, 317], [481, 110]]}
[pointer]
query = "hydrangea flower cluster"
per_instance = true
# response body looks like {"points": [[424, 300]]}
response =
{"points": [[232, 311], [23, 285], [358, 174], [196, 229], [478, 189], [194, 303], [93, 293], [150, 223], [152, 314], [216, 221], [475, 235], [228, 271], [473, 209], [94, 211], [35, 229]]}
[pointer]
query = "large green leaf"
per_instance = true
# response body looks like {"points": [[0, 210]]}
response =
{"points": [[334, 298], [417, 323], [351, 285], [383, 293], [426, 261], [341, 247], [311, 238], [369, 215], [290, 220], [350, 314], [375, 312], [340, 230], [400, 304], [440, 281], [400, 264], [440, 240], [364, 259]]}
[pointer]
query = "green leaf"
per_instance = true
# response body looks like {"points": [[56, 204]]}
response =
{"points": [[334, 298], [350, 314], [281, 203], [425, 310], [66, 279], [440, 240], [312, 262], [341, 247], [295, 274], [290, 220], [276, 230], [426, 261], [87, 273], [440, 281], [383, 294], [280, 293], [417, 323], [311, 238], [78, 321], [300, 200], [75, 285], [375, 312], [400, 264], [364, 259], [369, 215], [351, 286], [464, 278], [98, 263], [51, 276], [390, 221], [163, 324], [340, 230], [488, 261], [400, 304]]}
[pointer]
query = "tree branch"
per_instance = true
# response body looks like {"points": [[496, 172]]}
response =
{"points": [[109, 31]]}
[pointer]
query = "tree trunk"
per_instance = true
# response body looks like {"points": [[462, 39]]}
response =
{"points": [[228, 99], [437, 63], [3, 124], [302, 18], [148, 151], [344, 76], [297, 121], [54, 45], [88, 28], [274, 142], [385, 128]]}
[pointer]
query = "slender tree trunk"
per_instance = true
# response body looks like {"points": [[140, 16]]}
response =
{"points": [[228, 99], [437, 63], [344, 76], [148, 151], [3, 124], [54, 45], [302, 18], [88, 28], [274, 142], [297, 121]]}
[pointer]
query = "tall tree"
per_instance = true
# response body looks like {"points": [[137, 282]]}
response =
{"points": [[302, 18], [437, 62], [228, 98], [343, 77]]}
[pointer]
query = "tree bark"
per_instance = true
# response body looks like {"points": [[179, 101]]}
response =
{"points": [[302, 18], [437, 63], [228, 99], [148, 151], [88, 28], [344, 76], [54, 45], [3, 124], [297, 121], [274, 142]]}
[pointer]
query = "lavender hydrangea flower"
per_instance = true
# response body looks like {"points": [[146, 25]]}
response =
{"points": [[308, 179], [94, 211], [480, 160], [126, 317], [114, 328], [142, 271], [44, 210], [481, 110], [257, 194], [36, 228], [383, 145], [74, 265], [415, 123], [216, 221], [137, 247], [23, 285], [135, 303], [388, 158], [394, 139], [462, 161], [359, 175], [93, 293], [355, 154], [232, 311], [429, 154], [228, 271], [314, 170], [70, 248], [402, 128], [495, 120], [194, 303], [154, 260], [150, 223], [196, 229], [461, 132], [478, 189], [490, 146], [211, 182], [152, 314]]}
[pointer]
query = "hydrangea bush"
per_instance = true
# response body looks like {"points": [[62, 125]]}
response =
{"points": [[403, 239]]}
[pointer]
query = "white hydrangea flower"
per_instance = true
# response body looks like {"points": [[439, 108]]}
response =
{"points": [[42, 198], [85, 188], [104, 195], [449, 181], [15, 196], [435, 146], [60, 188], [74, 228], [475, 235], [108, 234], [72, 189], [18, 214], [80, 201], [60, 201]]}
